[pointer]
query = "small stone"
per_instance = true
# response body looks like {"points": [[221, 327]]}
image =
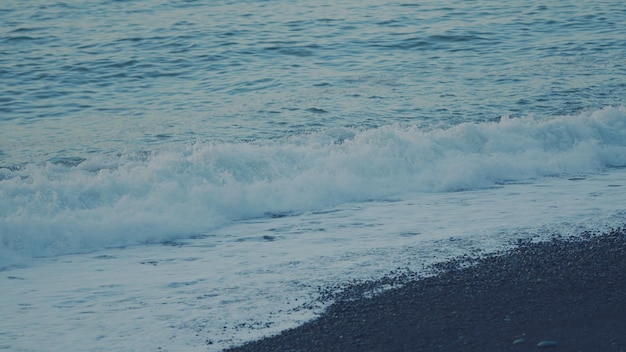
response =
{"points": [[519, 341], [547, 343]]}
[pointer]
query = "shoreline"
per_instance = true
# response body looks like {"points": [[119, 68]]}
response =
{"points": [[563, 294]]}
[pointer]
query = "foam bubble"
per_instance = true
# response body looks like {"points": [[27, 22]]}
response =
{"points": [[56, 208]]}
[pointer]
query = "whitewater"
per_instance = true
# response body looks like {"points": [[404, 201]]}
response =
{"points": [[181, 176], [61, 209], [220, 243]]}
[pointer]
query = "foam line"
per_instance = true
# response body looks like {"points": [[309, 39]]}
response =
{"points": [[53, 209]]}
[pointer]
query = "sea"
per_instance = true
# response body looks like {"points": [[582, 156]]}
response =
{"points": [[188, 175]]}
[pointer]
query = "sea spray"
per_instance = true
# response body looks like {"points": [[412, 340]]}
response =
{"points": [[58, 208]]}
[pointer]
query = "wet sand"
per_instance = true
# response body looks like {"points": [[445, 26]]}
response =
{"points": [[566, 295]]}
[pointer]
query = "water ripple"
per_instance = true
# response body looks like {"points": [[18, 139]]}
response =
{"points": [[213, 66]]}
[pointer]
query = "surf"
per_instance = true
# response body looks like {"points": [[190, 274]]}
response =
{"points": [[55, 208]]}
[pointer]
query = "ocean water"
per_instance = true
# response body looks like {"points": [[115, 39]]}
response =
{"points": [[187, 175]]}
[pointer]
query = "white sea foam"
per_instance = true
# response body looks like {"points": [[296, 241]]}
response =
{"points": [[260, 276], [53, 209]]}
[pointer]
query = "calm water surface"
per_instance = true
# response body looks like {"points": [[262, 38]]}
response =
{"points": [[111, 77]]}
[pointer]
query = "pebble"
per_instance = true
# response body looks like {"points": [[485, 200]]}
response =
{"points": [[547, 343], [519, 341]]}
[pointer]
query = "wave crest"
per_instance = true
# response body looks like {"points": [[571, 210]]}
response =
{"points": [[57, 208]]}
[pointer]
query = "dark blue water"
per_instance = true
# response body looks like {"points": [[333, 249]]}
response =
{"points": [[108, 77]]}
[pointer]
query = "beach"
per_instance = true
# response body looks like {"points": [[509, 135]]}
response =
{"points": [[563, 294], [314, 175]]}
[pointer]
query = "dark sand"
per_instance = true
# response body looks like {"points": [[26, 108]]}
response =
{"points": [[571, 292]]}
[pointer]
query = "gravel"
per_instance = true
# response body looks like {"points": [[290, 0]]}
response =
{"points": [[564, 294]]}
